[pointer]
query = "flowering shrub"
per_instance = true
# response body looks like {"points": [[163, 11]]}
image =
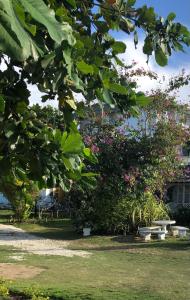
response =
{"points": [[131, 167], [134, 166]]}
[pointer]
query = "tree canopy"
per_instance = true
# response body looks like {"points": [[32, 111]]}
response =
{"points": [[67, 48]]}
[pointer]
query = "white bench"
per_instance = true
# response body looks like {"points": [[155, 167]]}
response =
{"points": [[179, 230], [146, 232]]}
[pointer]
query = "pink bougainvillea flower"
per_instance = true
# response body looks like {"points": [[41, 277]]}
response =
{"points": [[88, 140], [127, 177], [108, 141], [95, 149], [122, 131]]}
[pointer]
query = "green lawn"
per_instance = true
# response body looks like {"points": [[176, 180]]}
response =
{"points": [[118, 268]]}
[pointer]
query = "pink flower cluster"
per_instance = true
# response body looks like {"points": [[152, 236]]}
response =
{"points": [[187, 172], [108, 141], [88, 140], [122, 131], [94, 148], [127, 178]]}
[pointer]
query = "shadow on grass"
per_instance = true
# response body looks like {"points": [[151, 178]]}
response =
{"points": [[169, 244], [133, 243], [54, 229], [56, 235]]}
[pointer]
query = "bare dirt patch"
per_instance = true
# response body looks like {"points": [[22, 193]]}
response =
{"points": [[18, 238], [14, 271]]}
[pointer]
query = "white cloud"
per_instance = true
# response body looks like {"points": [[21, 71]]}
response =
{"points": [[145, 83], [36, 95]]}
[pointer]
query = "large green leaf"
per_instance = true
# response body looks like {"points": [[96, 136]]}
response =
{"points": [[21, 107], [106, 96], [72, 3], [71, 163], [42, 14], [85, 68], [64, 184], [2, 104], [148, 46], [89, 174], [119, 47], [68, 60], [142, 100], [73, 144], [14, 39], [89, 155], [171, 16], [161, 57], [48, 59], [117, 88], [131, 2]]}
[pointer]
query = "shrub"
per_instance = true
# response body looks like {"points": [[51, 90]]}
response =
{"points": [[22, 196], [131, 211], [4, 291]]}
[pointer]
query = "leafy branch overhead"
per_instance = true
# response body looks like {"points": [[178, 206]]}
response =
{"points": [[68, 43]]}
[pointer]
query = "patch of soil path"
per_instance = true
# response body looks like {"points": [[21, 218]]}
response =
{"points": [[13, 271], [18, 238]]}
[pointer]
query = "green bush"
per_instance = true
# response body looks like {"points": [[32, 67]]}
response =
{"points": [[131, 211], [4, 291], [22, 196], [7, 293]]}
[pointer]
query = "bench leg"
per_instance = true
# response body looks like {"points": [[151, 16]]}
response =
{"points": [[147, 237], [161, 236], [175, 232], [182, 233]]}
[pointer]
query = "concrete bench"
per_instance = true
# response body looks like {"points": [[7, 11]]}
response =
{"points": [[179, 230], [150, 228], [146, 232]]}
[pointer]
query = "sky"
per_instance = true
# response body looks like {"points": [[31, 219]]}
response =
{"points": [[177, 61]]}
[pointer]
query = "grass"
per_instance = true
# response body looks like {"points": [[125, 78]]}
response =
{"points": [[119, 268]]}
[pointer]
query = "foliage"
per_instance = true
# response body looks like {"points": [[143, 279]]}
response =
{"points": [[66, 48], [128, 167], [131, 212], [22, 196], [4, 291], [20, 28], [132, 163], [153, 209], [35, 148]]}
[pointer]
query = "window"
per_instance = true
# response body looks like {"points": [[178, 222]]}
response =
{"points": [[181, 193]]}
